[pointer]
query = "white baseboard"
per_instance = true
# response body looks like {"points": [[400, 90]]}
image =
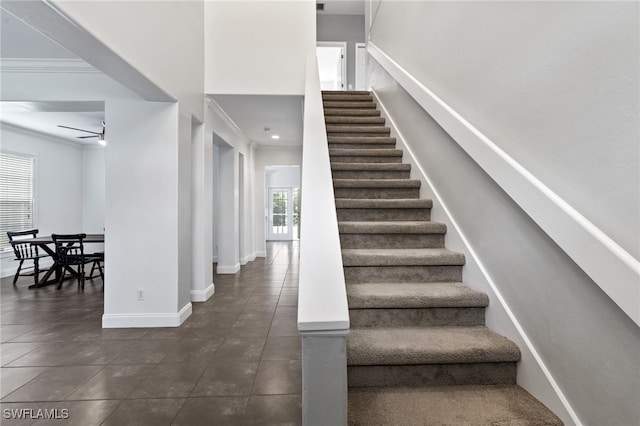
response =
{"points": [[203, 295], [147, 320], [248, 258], [261, 254], [228, 269]]}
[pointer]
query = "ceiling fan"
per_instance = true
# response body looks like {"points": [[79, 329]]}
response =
{"points": [[99, 135]]}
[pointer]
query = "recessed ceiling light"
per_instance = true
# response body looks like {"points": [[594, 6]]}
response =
{"points": [[275, 137]]}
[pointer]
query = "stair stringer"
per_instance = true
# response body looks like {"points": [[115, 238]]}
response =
{"points": [[532, 373]]}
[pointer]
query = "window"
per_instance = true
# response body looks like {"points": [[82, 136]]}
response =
{"points": [[16, 195]]}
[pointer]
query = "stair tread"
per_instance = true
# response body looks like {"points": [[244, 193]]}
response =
{"points": [[428, 345], [376, 183], [346, 92], [402, 257], [392, 227], [362, 139], [403, 167], [359, 152], [370, 203], [448, 405], [348, 128], [414, 295]]}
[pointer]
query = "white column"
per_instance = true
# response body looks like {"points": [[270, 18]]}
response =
{"points": [[228, 225], [202, 286], [141, 217]]}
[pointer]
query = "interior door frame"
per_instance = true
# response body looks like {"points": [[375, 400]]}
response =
{"points": [[289, 235], [343, 46]]}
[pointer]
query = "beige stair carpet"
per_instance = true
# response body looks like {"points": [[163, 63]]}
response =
{"points": [[418, 351]]}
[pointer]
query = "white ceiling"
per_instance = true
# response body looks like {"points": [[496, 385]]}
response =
{"points": [[342, 7], [44, 117], [252, 113], [20, 41]]}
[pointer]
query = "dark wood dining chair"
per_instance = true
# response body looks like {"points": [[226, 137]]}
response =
{"points": [[70, 252], [24, 251]]}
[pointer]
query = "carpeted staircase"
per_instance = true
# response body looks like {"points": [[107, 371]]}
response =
{"points": [[418, 351]]}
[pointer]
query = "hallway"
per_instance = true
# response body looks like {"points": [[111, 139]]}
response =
{"points": [[235, 361]]}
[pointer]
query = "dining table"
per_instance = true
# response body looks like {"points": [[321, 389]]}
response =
{"points": [[44, 242]]}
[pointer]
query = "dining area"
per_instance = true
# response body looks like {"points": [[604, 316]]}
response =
{"points": [[50, 259]]}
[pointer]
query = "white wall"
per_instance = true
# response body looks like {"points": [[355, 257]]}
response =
{"points": [[283, 177], [554, 85], [349, 28], [258, 47], [69, 184], [163, 40], [93, 190], [269, 156]]}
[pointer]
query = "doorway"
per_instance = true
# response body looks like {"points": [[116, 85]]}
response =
{"points": [[284, 214], [332, 60], [282, 204]]}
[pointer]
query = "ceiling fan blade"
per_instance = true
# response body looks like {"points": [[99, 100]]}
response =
{"points": [[81, 130], [86, 137]]}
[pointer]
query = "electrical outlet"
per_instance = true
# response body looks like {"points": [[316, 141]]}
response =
{"points": [[140, 294]]}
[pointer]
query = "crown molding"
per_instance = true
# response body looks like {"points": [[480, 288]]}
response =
{"points": [[37, 65]]}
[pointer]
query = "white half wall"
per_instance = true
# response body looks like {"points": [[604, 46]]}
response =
{"points": [[258, 47]]}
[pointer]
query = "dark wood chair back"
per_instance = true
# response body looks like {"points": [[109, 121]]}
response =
{"points": [[70, 248], [22, 250]]}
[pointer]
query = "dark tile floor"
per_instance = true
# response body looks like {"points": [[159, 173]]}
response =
{"points": [[236, 360]]}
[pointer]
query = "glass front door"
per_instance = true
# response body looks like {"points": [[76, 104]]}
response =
{"points": [[283, 213]]}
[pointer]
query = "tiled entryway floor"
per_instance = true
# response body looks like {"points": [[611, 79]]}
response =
{"points": [[236, 360]]}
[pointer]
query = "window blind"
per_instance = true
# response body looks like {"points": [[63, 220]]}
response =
{"points": [[16, 195]]}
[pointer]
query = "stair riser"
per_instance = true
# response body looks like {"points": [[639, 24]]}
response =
{"points": [[423, 317], [362, 145], [367, 215], [399, 274], [361, 174], [365, 159], [499, 373], [330, 97], [376, 193], [360, 133], [391, 241]]}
